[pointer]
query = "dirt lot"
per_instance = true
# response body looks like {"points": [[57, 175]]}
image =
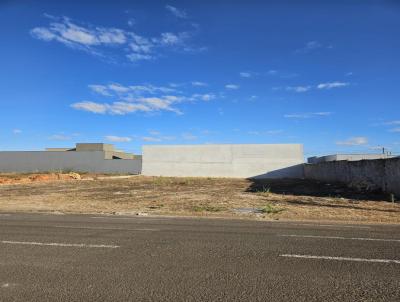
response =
{"points": [[278, 199]]}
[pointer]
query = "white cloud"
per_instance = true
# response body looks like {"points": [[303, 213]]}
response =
{"points": [[199, 84], [307, 115], [131, 22], [97, 40], [204, 97], [179, 13], [100, 89], [118, 139], [118, 88], [232, 86], [138, 98], [305, 88], [90, 106], [135, 57], [245, 74], [331, 85], [354, 141], [310, 46], [170, 39], [189, 136], [395, 130], [392, 123], [298, 88], [17, 131]]}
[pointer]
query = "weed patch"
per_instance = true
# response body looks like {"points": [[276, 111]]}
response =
{"points": [[271, 209]]}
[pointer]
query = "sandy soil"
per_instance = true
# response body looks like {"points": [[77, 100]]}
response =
{"points": [[283, 199]]}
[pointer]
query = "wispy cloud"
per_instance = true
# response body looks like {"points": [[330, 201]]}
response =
{"points": [[391, 123], [321, 86], [331, 85], [246, 74], [189, 136], [199, 84], [307, 115], [232, 86], [179, 13], [311, 46], [157, 136], [101, 40], [118, 139], [354, 141], [298, 88], [139, 98], [17, 131], [131, 22], [395, 130]]}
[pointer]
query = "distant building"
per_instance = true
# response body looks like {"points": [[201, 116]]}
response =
{"points": [[348, 157], [108, 149], [85, 157]]}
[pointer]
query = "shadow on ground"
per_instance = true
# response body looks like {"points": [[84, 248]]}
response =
{"points": [[306, 187]]}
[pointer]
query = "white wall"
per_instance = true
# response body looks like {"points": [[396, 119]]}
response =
{"points": [[241, 161], [85, 161]]}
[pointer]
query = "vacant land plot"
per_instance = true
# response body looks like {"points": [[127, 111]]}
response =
{"points": [[272, 199]]}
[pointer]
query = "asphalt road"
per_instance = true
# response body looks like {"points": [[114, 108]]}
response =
{"points": [[95, 258]]}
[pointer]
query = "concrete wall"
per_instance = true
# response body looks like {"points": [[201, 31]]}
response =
{"points": [[381, 174], [84, 161], [241, 161], [350, 157]]}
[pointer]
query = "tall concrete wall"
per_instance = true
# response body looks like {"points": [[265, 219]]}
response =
{"points": [[381, 174], [241, 161], [84, 161]]}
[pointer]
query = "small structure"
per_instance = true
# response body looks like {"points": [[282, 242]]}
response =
{"points": [[85, 157], [348, 157]]}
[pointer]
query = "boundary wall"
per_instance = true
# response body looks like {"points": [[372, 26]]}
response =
{"points": [[237, 161], [50, 161]]}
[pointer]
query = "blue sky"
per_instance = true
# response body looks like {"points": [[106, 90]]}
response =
{"points": [[322, 73]]}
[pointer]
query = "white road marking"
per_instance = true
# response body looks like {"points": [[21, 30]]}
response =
{"points": [[61, 244], [341, 238], [340, 258], [7, 285], [333, 225], [131, 218], [103, 228]]}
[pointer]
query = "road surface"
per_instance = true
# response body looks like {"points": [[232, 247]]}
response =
{"points": [[115, 258]]}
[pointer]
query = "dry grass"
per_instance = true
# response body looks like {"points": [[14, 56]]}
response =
{"points": [[197, 197]]}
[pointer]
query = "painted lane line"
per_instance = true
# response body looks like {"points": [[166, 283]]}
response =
{"points": [[333, 225], [341, 238], [103, 228], [130, 218], [61, 244], [340, 258]]}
